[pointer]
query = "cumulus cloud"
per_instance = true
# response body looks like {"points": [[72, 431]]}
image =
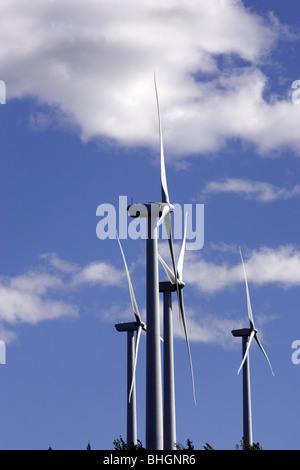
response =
{"points": [[90, 64], [96, 272], [100, 273], [207, 329], [59, 264], [30, 298], [46, 292], [280, 266], [264, 266], [256, 190], [27, 306]]}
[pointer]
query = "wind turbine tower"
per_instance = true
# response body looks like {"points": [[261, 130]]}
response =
{"points": [[132, 355], [247, 335], [154, 417], [166, 287], [130, 328], [244, 333], [174, 284]]}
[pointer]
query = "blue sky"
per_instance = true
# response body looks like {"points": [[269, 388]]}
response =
{"points": [[79, 129]]}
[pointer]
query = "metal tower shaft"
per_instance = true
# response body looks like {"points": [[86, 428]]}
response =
{"points": [[169, 378], [154, 419], [130, 328], [247, 415]]}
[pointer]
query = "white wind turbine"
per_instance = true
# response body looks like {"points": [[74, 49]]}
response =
{"points": [[153, 211], [132, 355], [247, 335], [167, 287]]}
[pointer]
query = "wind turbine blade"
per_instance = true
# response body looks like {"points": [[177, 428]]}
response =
{"points": [[170, 240], [250, 315], [138, 335], [169, 272], [247, 349], [165, 211], [132, 296], [182, 315], [260, 345], [164, 187], [181, 255]]}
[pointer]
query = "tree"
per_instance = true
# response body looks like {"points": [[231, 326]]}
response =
{"points": [[245, 446], [120, 444], [208, 447], [189, 445]]}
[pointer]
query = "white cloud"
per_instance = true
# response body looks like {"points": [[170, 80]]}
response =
{"points": [[257, 190], [100, 273], [210, 277], [93, 63], [36, 282], [280, 266], [96, 272], [59, 264], [26, 306], [264, 266], [207, 329], [7, 335], [47, 292]]}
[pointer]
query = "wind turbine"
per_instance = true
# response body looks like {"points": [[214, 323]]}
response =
{"points": [[175, 277], [154, 411], [247, 335], [152, 212], [167, 287], [132, 355]]}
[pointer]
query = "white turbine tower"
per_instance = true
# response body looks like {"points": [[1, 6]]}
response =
{"points": [[167, 287], [132, 355], [247, 335], [154, 422]]}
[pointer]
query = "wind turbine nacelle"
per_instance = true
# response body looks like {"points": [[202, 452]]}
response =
{"points": [[128, 326], [153, 209], [241, 332], [167, 286]]}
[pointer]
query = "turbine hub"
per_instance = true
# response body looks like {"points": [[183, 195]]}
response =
{"points": [[170, 206]]}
